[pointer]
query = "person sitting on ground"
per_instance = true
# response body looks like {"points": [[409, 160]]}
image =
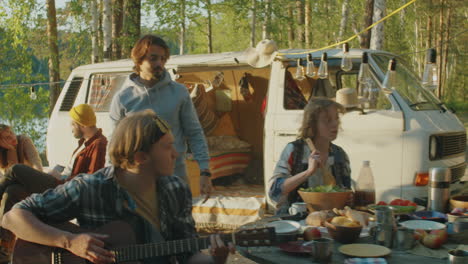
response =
{"points": [[20, 180], [298, 165], [17, 150], [140, 186]]}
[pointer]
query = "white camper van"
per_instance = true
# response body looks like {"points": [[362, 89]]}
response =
{"points": [[402, 133]]}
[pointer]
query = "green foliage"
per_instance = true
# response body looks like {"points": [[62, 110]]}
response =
{"points": [[24, 115]]}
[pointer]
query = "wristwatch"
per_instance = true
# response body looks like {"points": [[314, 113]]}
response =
{"points": [[205, 173]]}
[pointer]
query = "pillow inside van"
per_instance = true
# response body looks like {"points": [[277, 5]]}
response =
{"points": [[206, 115]]}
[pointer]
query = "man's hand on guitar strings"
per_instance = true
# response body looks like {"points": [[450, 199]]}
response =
{"points": [[90, 246], [219, 250]]}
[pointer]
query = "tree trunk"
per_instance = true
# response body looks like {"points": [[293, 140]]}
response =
{"points": [[100, 37], [368, 16], [429, 26], [344, 19], [182, 28], [94, 32], [300, 23], [377, 38], [131, 28], [308, 24], [117, 22], [439, 47], [253, 22], [266, 28], [54, 74], [209, 30], [107, 29], [290, 26], [446, 49]]}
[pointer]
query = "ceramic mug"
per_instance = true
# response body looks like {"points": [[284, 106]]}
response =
{"points": [[298, 207], [322, 249]]}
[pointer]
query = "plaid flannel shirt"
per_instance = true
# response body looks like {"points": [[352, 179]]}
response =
{"points": [[96, 199], [340, 169]]}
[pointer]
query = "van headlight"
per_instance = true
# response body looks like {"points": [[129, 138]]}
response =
{"points": [[432, 147]]}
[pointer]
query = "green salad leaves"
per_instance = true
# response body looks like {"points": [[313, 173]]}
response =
{"points": [[323, 188]]}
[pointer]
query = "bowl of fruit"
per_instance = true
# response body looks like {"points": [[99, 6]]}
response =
{"points": [[399, 206]]}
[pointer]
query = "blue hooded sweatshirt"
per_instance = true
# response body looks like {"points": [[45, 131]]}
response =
{"points": [[171, 101]]}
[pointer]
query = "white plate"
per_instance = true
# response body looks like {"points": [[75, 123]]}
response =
{"points": [[323, 229], [422, 224], [285, 226]]}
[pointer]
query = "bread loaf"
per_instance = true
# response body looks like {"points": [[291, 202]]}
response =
{"points": [[316, 218]]}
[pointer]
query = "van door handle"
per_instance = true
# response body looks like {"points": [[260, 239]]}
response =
{"points": [[287, 135]]}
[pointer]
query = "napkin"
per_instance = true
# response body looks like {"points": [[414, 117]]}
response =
{"points": [[365, 261]]}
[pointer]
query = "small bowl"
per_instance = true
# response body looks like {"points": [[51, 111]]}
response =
{"points": [[429, 215], [459, 225], [459, 201], [343, 234]]}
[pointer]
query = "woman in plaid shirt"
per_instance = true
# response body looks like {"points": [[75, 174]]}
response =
{"points": [[298, 165], [138, 187]]}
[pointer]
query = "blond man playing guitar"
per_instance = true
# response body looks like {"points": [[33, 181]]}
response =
{"points": [[138, 189]]}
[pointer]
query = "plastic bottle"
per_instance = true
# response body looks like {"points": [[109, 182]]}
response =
{"points": [[365, 187]]}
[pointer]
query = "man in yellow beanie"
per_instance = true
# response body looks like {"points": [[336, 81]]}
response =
{"points": [[90, 155], [21, 180]]}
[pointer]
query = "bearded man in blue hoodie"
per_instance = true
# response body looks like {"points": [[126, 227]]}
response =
{"points": [[151, 87]]}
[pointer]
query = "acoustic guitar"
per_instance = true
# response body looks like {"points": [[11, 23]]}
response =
{"points": [[122, 242]]}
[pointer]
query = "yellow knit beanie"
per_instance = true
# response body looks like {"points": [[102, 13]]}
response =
{"points": [[84, 115]]}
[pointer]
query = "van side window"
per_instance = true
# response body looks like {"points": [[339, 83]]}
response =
{"points": [[370, 94], [102, 89], [298, 92]]}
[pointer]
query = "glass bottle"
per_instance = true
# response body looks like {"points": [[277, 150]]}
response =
{"points": [[365, 187]]}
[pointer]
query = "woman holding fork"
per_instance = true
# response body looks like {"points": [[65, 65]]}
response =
{"points": [[312, 159]]}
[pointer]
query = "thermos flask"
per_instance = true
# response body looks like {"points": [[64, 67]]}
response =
{"points": [[439, 189]]}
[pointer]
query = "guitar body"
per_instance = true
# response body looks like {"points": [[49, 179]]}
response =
{"points": [[120, 235]]}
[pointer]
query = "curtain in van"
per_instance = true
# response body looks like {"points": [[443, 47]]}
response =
{"points": [[101, 86]]}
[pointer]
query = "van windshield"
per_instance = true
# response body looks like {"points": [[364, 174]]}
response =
{"points": [[408, 84]]}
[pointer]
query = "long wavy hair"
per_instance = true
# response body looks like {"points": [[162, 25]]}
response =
{"points": [[312, 110], [3, 151]]}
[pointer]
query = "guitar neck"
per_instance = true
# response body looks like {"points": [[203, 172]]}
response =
{"points": [[145, 251]]}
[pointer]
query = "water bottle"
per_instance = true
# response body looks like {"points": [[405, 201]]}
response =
{"points": [[365, 187], [439, 189]]}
